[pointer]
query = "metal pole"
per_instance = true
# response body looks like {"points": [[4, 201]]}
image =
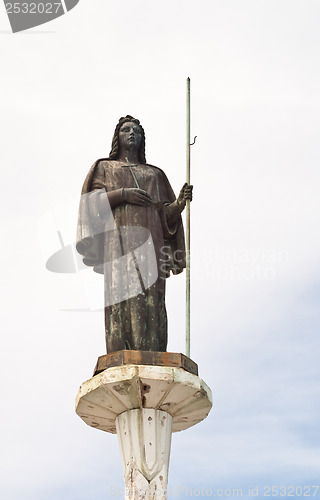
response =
{"points": [[188, 227]]}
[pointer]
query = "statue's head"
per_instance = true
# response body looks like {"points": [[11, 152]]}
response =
{"points": [[115, 148]]}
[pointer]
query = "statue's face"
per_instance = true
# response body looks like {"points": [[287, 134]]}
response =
{"points": [[130, 136]]}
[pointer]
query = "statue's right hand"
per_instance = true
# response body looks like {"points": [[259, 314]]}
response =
{"points": [[136, 197]]}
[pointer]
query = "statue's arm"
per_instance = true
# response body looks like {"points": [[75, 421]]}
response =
{"points": [[173, 212], [134, 196], [115, 197], [175, 209]]}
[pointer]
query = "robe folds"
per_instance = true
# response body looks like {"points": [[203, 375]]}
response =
{"points": [[135, 247]]}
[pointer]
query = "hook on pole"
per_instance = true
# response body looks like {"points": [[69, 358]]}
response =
{"points": [[194, 140]]}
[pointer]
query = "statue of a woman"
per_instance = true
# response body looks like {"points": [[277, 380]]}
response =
{"points": [[131, 230]]}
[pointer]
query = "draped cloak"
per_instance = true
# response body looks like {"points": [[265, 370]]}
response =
{"points": [[135, 313]]}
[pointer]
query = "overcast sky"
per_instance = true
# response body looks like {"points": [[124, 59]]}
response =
{"points": [[254, 69]]}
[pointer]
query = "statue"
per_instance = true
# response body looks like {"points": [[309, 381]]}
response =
{"points": [[130, 229]]}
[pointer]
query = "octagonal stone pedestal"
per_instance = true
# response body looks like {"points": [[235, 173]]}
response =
{"points": [[144, 404]]}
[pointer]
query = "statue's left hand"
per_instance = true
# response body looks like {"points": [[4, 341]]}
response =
{"points": [[184, 195]]}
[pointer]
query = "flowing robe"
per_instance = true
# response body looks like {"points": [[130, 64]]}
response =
{"points": [[136, 256]]}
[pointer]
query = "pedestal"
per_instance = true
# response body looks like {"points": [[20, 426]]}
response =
{"points": [[144, 404]]}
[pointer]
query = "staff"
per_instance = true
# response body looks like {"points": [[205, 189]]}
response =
{"points": [[188, 227]]}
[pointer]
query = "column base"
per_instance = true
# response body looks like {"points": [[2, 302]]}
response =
{"points": [[144, 404]]}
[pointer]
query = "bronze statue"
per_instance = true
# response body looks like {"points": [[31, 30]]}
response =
{"points": [[130, 229]]}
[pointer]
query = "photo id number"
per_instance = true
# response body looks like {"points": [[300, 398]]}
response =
{"points": [[33, 8], [290, 491]]}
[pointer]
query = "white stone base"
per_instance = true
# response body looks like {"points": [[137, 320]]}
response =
{"points": [[145, 439], [144, 404], [116, 390]]}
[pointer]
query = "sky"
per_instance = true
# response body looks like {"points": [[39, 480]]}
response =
{"points": [[255, 275]]}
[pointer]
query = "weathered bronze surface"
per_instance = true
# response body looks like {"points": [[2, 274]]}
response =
{"points": [[130, 229], [170, 359]]}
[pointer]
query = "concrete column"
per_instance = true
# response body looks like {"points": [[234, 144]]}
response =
{"points": [[145, 440]]}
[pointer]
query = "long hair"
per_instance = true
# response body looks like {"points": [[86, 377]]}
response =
{"points": [[114, 153]]}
